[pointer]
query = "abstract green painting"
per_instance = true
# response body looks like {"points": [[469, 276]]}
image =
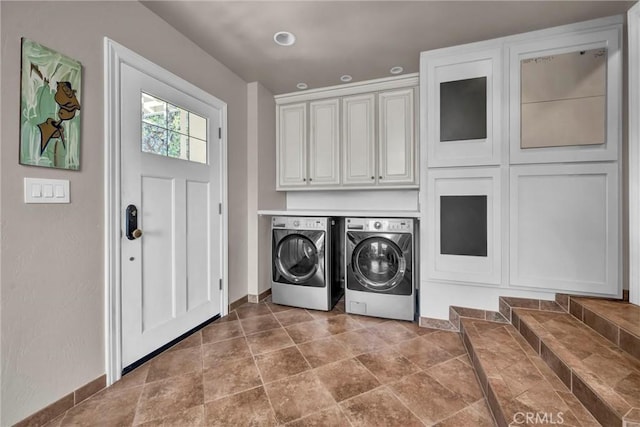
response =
{"points": [[49, 108]]}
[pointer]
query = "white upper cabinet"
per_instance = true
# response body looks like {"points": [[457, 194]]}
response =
{"points": [[292, 145], [356, 136], [324, 143], [396, 137], [358, 139], [462, 92]]}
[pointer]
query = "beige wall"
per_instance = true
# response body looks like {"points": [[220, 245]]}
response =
{"points": [[51, 270], [261, 194]]}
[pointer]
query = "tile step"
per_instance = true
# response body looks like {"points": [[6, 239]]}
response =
{"points": [[520, 388], [602, 376], [618, 321]]}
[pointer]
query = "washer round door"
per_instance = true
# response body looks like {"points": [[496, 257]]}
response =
{"points": [[378, 264], [296, 258]]}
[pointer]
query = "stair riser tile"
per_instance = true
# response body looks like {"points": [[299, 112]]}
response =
{"points": [[563, 301], [630, 343], [482, 377], [496, 410], [530, 336], [592, 402], [515, 320], [561, 370], [575, 309], [601, 325], [504, 309]]}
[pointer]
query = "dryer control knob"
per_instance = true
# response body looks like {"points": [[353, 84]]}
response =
{"points": [[377, 225], [296, 223]]}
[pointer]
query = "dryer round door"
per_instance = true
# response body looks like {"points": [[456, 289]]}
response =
{"points": [[378, 264], [296, 258]]}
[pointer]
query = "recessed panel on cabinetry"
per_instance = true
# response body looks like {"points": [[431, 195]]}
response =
{"points": [[564, 227], [463, 109], [565, 96], [324, 142], [462, 237], [462, 93], [292, 145], [563, 99], [463, 225], [358, 140], [396, 142]]}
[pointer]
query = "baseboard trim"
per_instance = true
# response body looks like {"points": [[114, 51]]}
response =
{"points": [[60, 406], [257, 298], [237, 303]]}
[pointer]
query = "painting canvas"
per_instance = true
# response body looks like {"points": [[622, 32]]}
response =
{"points": [[49, 108], [563, 99]]}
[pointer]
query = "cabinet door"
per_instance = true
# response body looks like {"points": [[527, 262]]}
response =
{"points": [[324, 143], [358, 139], [463, 97], [292, 145], [396, 137]]}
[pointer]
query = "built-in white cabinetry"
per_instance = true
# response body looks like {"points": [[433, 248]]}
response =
{"points": [[463, 88], [565, 97], [396, 142], [324, 143], [564, 227], [359, 140], [463, 216], [292, 145], [521, 138], [358, 136]]}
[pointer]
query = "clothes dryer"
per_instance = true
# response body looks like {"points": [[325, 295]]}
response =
{"points": [[379, 264], [305, 262]]}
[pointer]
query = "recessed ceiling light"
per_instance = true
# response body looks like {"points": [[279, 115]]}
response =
{"points": [[284, 38], [302, 86], [396, 70], [346, 78]]}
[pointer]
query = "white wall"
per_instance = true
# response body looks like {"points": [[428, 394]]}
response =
{"points": [[51, 270]]}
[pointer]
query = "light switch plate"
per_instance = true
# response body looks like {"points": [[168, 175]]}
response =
{"points": [[38, 190]]}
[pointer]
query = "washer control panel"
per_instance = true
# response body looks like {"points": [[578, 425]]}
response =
{"points": [[298, 223], [401, 225]]}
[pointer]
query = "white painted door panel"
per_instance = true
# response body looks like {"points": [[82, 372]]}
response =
{"points": [[564, 227], [396, 137], [292, 145], [170, 275], [358, 136], [324, 143]]}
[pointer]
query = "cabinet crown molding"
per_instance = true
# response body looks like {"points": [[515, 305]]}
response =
{"points": [[368, 86]]}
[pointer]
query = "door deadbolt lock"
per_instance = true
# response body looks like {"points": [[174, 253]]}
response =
{"points": [[133, 232]]}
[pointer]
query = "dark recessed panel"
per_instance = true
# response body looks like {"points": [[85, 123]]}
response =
{"points": [[463, 109], [463, 225]]}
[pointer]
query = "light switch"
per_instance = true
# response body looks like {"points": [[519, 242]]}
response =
{"points": [[38, 190]]}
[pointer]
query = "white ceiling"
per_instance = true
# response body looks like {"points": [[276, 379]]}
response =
{"points": [[361, 38]]}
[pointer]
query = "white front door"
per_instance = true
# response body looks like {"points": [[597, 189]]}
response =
{"points": [[171, 176]]}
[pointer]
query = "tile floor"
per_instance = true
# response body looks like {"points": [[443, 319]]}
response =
{"points": [[266, 364]]}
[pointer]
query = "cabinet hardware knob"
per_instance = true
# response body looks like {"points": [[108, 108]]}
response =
{"points": [[373, 177], [310, 179], [304, 179], [380, 177]]}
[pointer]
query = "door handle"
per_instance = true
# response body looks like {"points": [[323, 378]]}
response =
{"points": [[133, 232]]}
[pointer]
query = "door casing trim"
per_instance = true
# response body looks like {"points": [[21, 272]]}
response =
{"points": [[115, 55]]}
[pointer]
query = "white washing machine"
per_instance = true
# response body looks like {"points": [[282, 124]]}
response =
{"points": [[305, 262], [379, 263]]}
